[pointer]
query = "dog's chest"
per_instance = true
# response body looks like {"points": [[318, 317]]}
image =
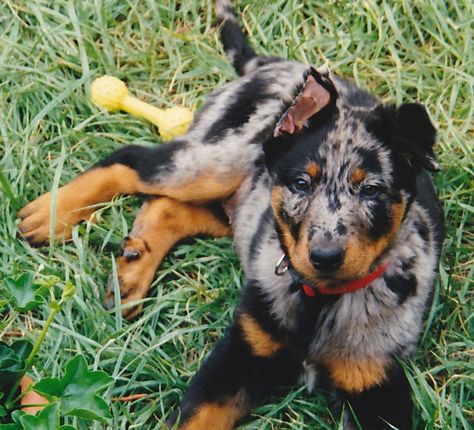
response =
{"points": [[378, 319]]}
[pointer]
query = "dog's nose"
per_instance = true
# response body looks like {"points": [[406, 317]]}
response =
{"points": [[327, 259]]}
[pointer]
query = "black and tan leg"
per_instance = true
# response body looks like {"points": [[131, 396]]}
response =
{"points": [[376, 394], [160, 224], [130, 170], [245, 366]]}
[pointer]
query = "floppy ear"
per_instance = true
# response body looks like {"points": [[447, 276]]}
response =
{"points": [[317, 93], [409, 130]]}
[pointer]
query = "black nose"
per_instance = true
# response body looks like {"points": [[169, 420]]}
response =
{"points": [[327, 259]]}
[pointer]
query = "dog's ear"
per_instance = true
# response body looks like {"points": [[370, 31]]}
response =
{"points": [[317, 94], [409, 130]]}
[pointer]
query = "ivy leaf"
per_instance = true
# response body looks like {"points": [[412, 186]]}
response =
{"points": [[22, 348], [11, 365], [77, 391], [15, 425], [12, 360], [25, 294], [16, 415], [47, 419]]}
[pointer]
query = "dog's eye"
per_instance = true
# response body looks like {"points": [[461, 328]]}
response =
{"points": [[300, 185], [371, 190]]}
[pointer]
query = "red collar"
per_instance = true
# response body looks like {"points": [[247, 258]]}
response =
{"points": [[313, 290], [349, 287]]}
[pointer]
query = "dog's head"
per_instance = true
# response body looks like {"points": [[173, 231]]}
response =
{"points": [[343, 178]]}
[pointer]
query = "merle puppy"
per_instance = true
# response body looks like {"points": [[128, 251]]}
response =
{"points": [[335, 220]]}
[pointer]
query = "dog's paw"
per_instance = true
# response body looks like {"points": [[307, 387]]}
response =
{"points": [[35, 218], [135, 270]]}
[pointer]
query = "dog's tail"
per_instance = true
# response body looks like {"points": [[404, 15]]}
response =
{"points": [[236, 46]]}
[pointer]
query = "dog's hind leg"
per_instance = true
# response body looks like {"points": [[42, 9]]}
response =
{"points": [[189, 173], [160, 223]]}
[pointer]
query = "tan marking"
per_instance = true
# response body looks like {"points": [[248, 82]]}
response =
{"points": [[276, 198], [77, 200], [361, 252], [203, 189], [313, 169], [261, 343], [358, 175], [212, 416], [297, 251], [161, 223], [357, 375]]}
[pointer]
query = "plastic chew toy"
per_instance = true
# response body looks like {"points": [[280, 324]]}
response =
{"points": [[112, 94]]}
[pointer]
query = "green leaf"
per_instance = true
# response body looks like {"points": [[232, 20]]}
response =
{"points": [[47, 419], [77, 390], [11, 365], [25, 294], [16, 415], [22, 348], [68, 292]]}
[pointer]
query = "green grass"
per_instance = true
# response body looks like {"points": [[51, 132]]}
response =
{"points": [[168, 52]]}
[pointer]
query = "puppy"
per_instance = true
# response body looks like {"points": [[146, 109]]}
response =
{"points": [[335, 220]]}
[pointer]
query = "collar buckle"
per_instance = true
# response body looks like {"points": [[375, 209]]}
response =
{"points": [[281, 266]]}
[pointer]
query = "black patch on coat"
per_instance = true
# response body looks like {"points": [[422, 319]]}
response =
{"points": [[245, 103], [369, 160], [334, 203], [218, 211], [407, 130], [341, 229], [388, 402], [343, 171], [146, 161], [422, 230], [381, 220], [426, 196], [235, 42], [402, 285], [260, 231]]}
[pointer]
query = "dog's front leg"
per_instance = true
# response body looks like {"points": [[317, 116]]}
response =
{"points": [[160, 224], [248, 364], [382, 404]]}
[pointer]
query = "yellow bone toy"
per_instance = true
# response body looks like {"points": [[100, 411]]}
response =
{"points": [[112, 94]]}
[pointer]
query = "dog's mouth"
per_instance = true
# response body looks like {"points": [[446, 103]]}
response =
{"points": [[332, 280], [329, 283], [331, 277], [311, 275]]}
